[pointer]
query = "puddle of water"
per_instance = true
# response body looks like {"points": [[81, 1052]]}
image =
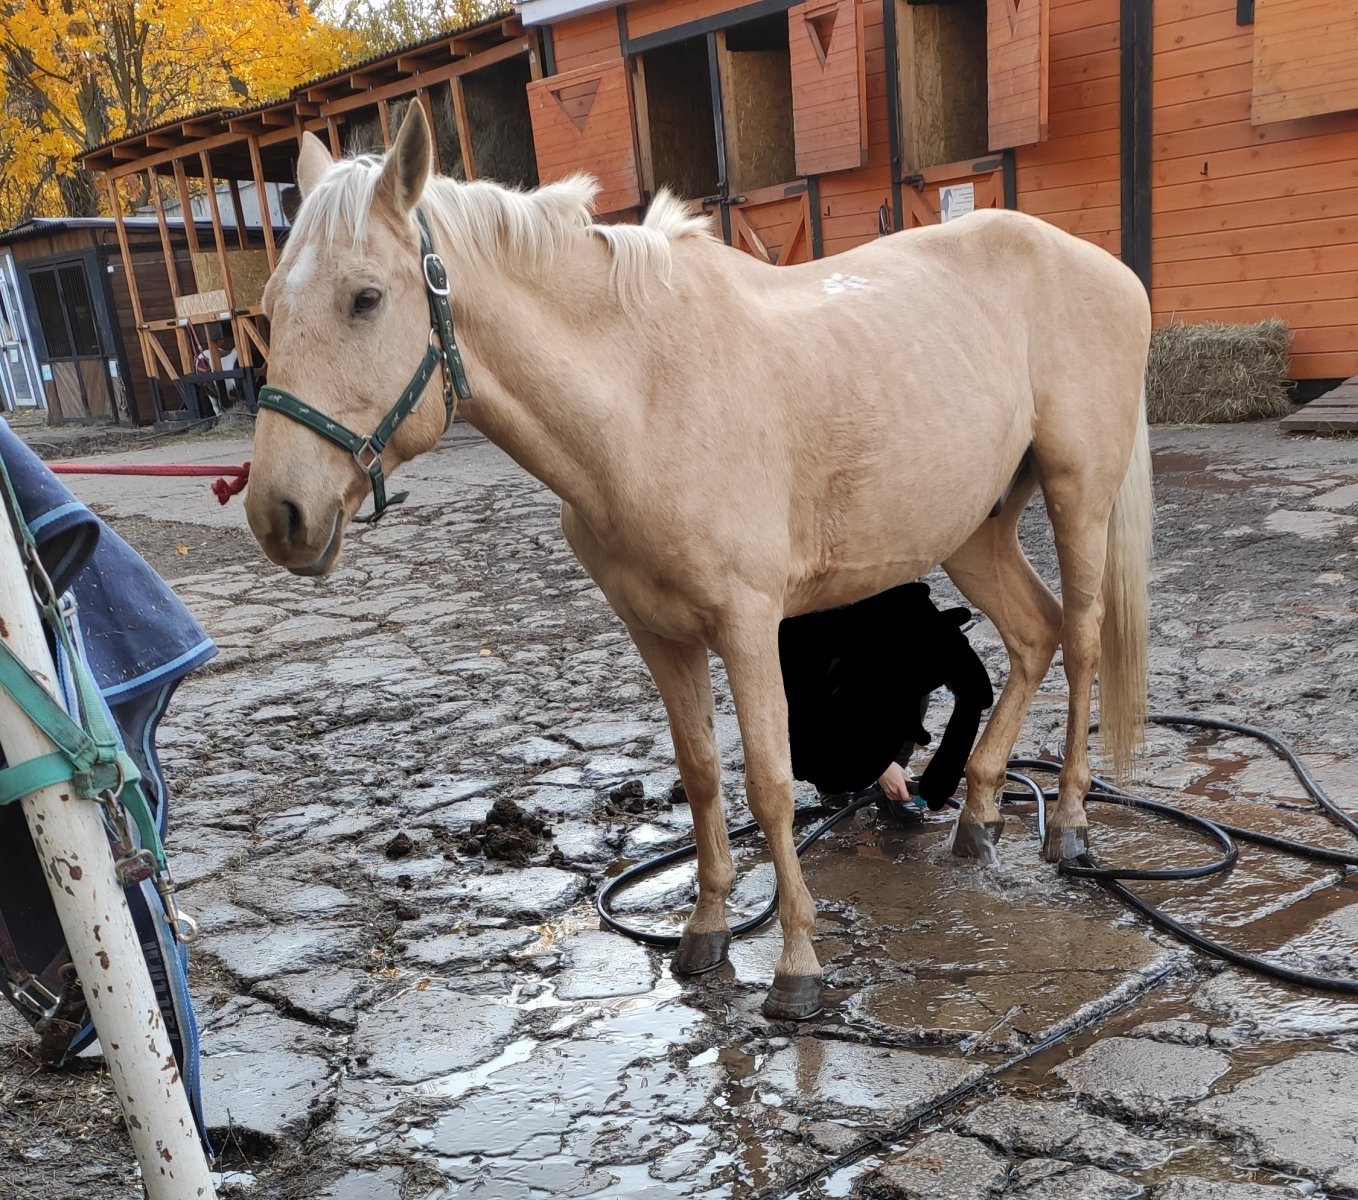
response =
{"points": [[458, 1084]]}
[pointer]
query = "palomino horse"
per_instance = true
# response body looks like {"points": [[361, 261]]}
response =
{"points": [[734, 443]]}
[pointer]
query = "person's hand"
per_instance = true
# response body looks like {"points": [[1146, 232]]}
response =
{"points": [[894, 781]]}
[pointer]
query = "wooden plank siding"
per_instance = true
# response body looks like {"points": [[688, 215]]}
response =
{"points": [[586, 41], [584, 119], [850, 200], [829, 91], [1305, 58], [1249, 221], [1073, 179]]}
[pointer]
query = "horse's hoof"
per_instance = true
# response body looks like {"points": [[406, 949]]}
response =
{"points": [[793, 998], [977, 839], [1065, 841], [699, 952]]}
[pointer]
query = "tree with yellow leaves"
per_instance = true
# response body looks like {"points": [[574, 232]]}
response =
{"points": [[386, 24], [77, 73]]}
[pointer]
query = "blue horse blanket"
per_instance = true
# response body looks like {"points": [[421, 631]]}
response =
{"points": [[139, 641]]}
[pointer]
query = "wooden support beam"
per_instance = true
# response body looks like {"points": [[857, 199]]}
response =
{"points": [[116, 208], [428, 105], [167, 248], [464, 129], [333, 130], [238, 211], [265, 216], [219, 236], [252, 333], [384, 118], [185, 206]]}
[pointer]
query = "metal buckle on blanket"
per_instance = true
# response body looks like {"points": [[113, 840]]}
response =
{"points": [[33, 995], [41, 583], [183, 926]]}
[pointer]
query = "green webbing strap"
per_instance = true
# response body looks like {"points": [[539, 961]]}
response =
{"points": [[443, 350], [88, 754]]}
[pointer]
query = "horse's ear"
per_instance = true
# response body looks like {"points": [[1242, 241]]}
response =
{"points": [[312, 163], [409, 162]]}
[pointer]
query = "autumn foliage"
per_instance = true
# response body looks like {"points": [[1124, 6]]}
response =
{"points": [[77, 73]]}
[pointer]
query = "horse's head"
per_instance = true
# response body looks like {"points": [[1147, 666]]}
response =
{"points": [[350, 319]]}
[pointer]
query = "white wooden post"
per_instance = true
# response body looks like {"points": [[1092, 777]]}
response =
{"points": [[68, 833]]}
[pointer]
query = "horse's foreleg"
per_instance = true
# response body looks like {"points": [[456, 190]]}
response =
{"points": [[992, 572], [682, 675], [751, 656]]}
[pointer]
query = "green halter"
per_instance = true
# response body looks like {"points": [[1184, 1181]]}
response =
{"points": [[443, 351]]}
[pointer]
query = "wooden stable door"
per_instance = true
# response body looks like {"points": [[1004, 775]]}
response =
{"points": [[829, 86], [946, 193], [773, 225], [582, 121], [1016, 75]]}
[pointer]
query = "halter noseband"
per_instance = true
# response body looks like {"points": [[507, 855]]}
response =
{"points": [[443, 351]]}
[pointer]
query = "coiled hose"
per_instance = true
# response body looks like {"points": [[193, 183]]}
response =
{"points": [[1112, 879]]}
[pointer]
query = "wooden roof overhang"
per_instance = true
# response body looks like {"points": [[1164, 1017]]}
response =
{"points": [[261, 142]]}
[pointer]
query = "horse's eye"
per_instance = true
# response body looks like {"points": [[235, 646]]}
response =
{"points": [[366, 300]]}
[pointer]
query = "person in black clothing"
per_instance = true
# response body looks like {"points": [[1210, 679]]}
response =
{"points": [[858, 681]]}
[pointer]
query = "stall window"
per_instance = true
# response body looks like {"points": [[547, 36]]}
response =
{"points": [[941, 66]]}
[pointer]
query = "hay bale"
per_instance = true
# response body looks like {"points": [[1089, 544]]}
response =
{"points": [[1208, 373]]}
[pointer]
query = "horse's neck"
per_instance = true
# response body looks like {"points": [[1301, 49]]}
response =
{"points": [[543, 359]]}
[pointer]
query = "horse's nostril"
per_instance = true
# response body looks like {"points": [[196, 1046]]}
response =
{"points": [[294, 515]]}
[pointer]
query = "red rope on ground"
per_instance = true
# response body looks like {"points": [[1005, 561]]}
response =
{"points": [[223, 488]]}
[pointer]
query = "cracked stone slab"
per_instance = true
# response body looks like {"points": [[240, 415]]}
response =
{"points": [[813, 1072], [1052, 1179], [607, 735], [421, 1035], [252, 956], [464, 948], [327, 995], [529, 894], [942, 1166], [599, 965], [1186, 1188], [257, 1074], [1298, 1115], [1050, 1129], [1187, 1033], [1139, 1078]]}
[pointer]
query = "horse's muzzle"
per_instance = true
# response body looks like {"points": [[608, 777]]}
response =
{"points": [[287, 538]]}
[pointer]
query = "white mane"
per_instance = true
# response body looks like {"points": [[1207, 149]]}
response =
{"points": [[493, 226]]}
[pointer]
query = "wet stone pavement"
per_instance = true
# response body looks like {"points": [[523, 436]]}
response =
{"points": [[406, 993]]}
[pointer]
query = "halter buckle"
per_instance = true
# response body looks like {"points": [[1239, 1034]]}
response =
{"points": [[373, 459], [439, 286]]}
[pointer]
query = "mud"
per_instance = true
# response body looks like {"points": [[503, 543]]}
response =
{"points": [[391, 1015]]}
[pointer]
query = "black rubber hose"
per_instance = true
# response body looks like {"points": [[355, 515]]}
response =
{"points": [[1112, 879]]}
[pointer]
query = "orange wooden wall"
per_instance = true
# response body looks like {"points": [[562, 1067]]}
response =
{"points": [[1073, 179], [1249, 221]]}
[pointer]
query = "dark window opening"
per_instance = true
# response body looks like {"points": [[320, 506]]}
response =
{"points": [[677, 119], [499, 122], [756, 90], [943, 91]]}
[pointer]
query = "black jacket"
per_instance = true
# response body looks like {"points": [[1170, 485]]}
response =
{"points": [[858, 679]]}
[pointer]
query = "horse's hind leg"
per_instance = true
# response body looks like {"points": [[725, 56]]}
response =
{"points": [[682, 675], [991, 570], [1079, 503], [750, 651]]}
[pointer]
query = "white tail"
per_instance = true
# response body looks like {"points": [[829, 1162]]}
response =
{"points": [[1123, 644]]}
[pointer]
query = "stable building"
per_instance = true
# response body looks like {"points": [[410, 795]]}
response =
{"points": [[1210, 143]]}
